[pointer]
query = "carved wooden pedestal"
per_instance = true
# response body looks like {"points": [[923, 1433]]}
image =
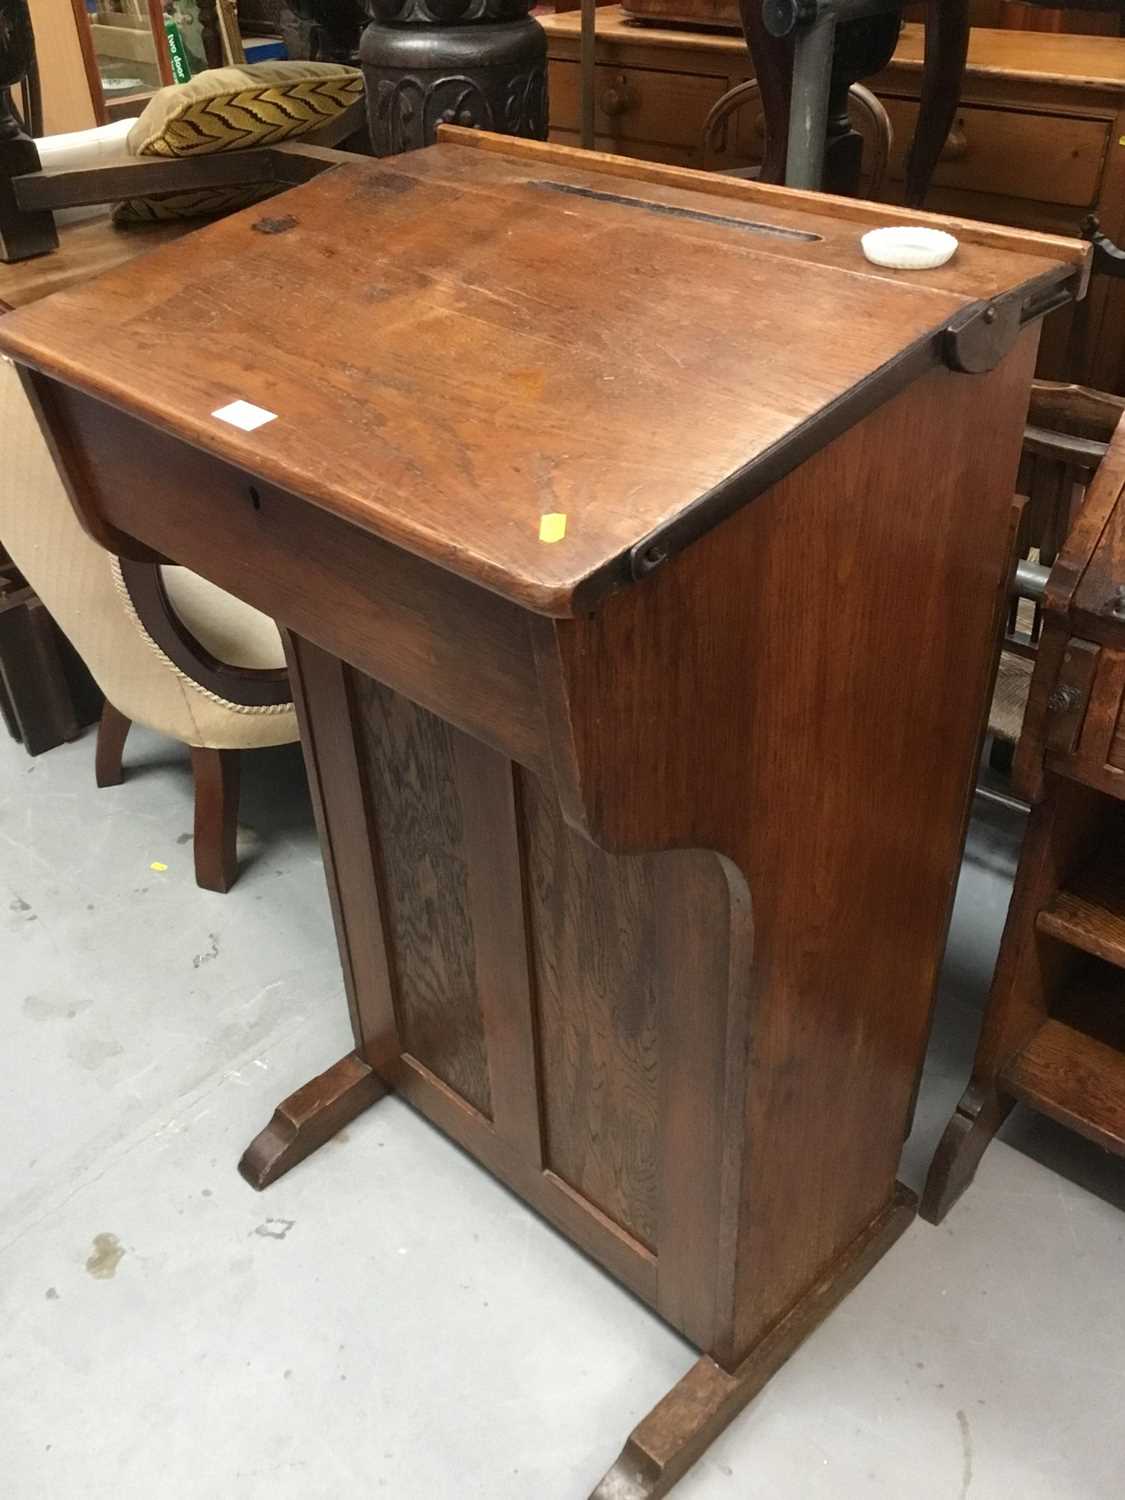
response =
{"points": [[427, 63]]}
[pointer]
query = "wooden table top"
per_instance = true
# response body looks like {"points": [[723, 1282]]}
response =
{"points": [[459, 342], [86, 249], [1095, 62]]}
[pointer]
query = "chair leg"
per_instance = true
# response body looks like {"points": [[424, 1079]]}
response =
{"points": [[113, 730], [216, 817]]}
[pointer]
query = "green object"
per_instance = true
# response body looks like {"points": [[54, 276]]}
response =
{"points": [[181, 67]]}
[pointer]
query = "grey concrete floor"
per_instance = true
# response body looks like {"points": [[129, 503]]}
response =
{"points": [[388, 1320]]}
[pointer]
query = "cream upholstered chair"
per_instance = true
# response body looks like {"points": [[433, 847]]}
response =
{"points": [[168, 649]]}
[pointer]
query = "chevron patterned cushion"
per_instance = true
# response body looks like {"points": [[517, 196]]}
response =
{"points": [[228, 109]]}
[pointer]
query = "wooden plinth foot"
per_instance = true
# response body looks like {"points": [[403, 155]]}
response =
{"points": [[975, 1121], [662, 1448], [308, 1118]]}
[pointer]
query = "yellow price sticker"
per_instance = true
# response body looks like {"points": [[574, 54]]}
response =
{"points": [[552, 527]]}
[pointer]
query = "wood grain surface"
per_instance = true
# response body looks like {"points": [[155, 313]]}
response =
{"points": [[86, 249], [569, 1016], [1092, 62], [730, 733], [643, 905], [417, 827], [593, 923], [458, 650], [424, 305], [1054, 1026], [1030, 974], [586, 1005], [635, 960], [1075, 1079]]}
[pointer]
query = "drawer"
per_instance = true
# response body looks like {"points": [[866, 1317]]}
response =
{"points": [[456, 649], [1052, 158], [637, 104]]}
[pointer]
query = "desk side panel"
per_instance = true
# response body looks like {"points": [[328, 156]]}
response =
{"points": [[804, 690]]}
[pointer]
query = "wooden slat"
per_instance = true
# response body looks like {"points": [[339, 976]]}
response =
{"points": [[1090, 913], [1073, 1079], [1077, 558], [1099, 599], [1068, 408], [1093, 62], [126, 176]]}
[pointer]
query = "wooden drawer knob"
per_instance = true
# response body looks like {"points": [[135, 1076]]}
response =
{"points": [[956, 146], [618, 99]]}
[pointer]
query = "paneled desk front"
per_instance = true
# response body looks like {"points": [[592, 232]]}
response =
{"points": [[642, 629]]}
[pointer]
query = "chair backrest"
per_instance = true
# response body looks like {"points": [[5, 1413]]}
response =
{"points": [[1068, 432], [68, 570], [866, 113], [148, 679]]}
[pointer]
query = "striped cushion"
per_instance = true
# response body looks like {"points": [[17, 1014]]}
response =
{"points": [[229, 109]]}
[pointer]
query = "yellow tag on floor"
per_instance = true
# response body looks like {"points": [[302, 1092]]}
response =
{"points": [[552, 527]]}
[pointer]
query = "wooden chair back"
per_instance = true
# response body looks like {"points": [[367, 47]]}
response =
{"points": [[1069, 428], [1068, 433], [866, 113]]}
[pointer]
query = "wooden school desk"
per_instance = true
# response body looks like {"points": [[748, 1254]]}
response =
{"points": [[641, 627]]}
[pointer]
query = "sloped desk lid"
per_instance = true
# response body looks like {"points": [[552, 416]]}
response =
{"points": [[462, 341]]}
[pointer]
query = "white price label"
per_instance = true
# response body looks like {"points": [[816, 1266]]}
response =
{"points": [[244, 414]]}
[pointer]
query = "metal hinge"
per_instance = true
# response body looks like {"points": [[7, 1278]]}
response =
{"points": [[979, 336]]}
